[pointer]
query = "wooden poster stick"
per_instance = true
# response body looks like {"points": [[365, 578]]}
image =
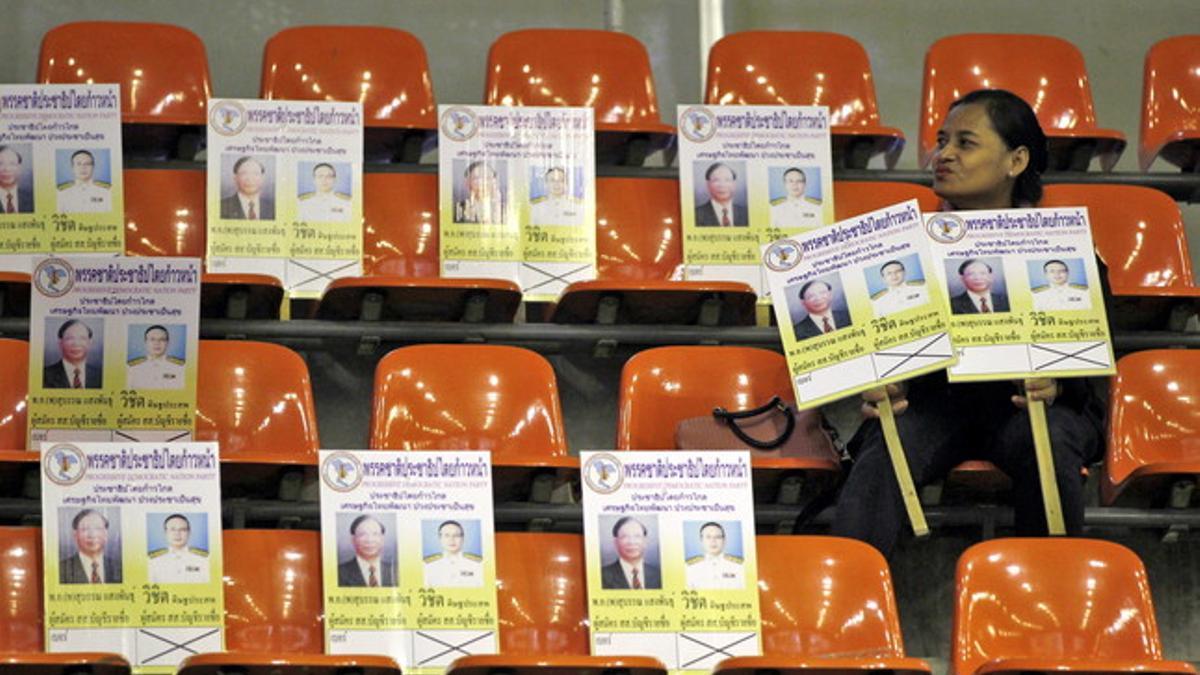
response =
{"points": [[912, 504], [1045, 463]]}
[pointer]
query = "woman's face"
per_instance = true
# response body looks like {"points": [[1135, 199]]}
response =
{"points": [[972, 167]]}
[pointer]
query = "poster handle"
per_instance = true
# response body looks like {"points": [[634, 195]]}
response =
{"points": [[1045, 464], [891, 436]]}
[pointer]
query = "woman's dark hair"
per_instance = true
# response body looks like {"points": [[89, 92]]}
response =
{"points": [[1016, 123]]}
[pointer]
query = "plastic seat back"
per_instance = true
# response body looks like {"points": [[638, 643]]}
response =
{"points": [[1138, 233], [164, 213], [637, 229], [1048, 72], [14, 393], [400, 229], [664, 386], [1170, 119], [162, 69], [468, 397], [21, 587], [852, 198], [256, 400], [273, 596], [1050, 599], [541, 587], [1154, 418], [826, 597], [606, 70], [794, 68], [383, 68]]}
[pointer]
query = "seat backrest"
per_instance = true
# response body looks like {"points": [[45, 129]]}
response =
{"points": [[21, 587], [1138, 232], [664, 386], [273, 591], [1170, 80], [1051, 598], [14, 393], [541, 588], [164, 213], [162, 69], [400, 225], [1153, 413], [1048, 72], [852, 198], [607, 70], [637, 229], [826, 597], [383, 68], [468, 397], [794, 68], [256, 400]]}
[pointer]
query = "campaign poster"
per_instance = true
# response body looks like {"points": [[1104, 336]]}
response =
{"points": [[61, 185], [131, 544], [1024, 293], [284, 190], [672, 571], [858, 304], [517, 190], [409, 559], [113, 347], [748, 176]]}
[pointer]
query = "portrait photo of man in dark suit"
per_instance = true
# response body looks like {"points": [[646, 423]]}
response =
{"points": [[817, 295], [89, 561], [252, 198], [721, 209], [630, 571], [369, 568], [16, 195], [72, 369], [979, 296]]}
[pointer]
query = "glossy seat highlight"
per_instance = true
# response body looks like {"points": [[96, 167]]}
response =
{"points": [[852, 198], [256, 400], [1055, 604], [164, 213], [827, 604], [806, 68], [1170, 88], [470, 397], [1047, 72], [541, 593], [14, 390], [1153, 426]]}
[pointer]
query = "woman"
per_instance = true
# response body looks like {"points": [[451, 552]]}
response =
{"points": [[990, 154]]}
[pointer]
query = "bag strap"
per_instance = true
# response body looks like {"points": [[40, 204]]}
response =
{"points": [[776, 403]]}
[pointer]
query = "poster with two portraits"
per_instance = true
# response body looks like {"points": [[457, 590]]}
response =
{"points": [[893, 294], [284, 191], [61, 188], [408, 555]]}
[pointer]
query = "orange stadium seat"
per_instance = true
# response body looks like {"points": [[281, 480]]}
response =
{"points": [[806, 68], [473, 397], [1170, 117], [15, 461], [1152, 452], [1140, 235], [664, 386], [827, 605], [608, 71], [21, 628], [273, 611], [541, 591], [1056, 604], [638, 252], [383, 68], [853, 198], [1048, 72], [255, 399], [162, 70], [401, 263]]}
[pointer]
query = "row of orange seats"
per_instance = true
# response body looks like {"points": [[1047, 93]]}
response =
{"points": [[255, 399], [1139, 233], [827, 604], [387, 70]]}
